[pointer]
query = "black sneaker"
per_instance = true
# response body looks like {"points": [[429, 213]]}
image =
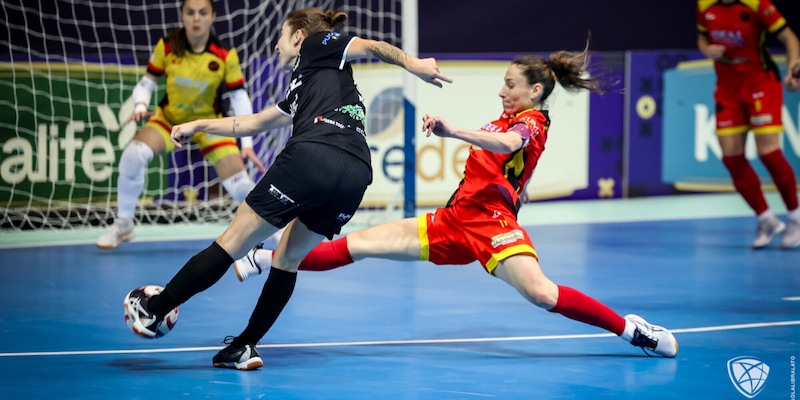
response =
{"points": [[143, 322], [242, 358]]}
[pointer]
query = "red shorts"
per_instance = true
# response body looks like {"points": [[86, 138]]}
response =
{"points": [[755, 106], [471, 230]]}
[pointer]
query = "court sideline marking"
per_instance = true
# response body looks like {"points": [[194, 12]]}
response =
{"points": [[396, 342]]}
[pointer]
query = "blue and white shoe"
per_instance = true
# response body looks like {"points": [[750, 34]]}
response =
{"points": [[653, 339]]}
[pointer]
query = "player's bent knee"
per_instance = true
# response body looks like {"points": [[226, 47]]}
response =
{"points": [[135, 158]]}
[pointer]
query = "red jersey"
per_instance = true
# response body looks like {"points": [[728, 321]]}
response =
{"points": [[491, 175], [741, 27]]}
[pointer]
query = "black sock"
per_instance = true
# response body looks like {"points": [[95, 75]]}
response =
{"points": [[199, 273], [276, 293]]}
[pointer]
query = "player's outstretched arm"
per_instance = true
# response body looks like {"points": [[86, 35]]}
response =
{"points": [[502, 144], [425, 69], [240, 125]]}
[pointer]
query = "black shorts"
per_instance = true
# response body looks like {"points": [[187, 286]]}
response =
{"points": [[319, 184]]}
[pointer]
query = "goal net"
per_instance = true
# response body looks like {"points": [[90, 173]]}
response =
{"points": [[65, 85]]}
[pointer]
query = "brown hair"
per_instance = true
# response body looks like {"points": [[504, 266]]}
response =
{"points": [[568, 68], [313, 20], [177, 37]]}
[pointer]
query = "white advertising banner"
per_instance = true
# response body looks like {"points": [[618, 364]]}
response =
{"points": [[469, 102]]}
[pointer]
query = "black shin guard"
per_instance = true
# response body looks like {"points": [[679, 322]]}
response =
{"points": [[276, 293], [199, 273]]}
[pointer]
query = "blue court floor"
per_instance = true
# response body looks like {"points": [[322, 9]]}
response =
{"points": [[392, 330]]}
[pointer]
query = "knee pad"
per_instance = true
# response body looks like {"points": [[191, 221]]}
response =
{"points": [[135, 158], [239, 185], [130, 183]]}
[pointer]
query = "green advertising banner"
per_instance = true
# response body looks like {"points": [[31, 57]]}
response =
{"points": [[62, 130]]}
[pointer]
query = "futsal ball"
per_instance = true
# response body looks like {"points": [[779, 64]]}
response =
{"points": [[132, 301]]}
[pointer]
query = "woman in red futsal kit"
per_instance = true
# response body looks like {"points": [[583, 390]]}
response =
{"points": [[749, 97], [479, 223]]}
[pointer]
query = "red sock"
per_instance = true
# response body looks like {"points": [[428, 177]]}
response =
{"points": [[580, 307], [746, 182], [783, 176], [327, 255]]}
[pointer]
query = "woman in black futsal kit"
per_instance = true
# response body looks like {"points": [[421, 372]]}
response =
{"points": [[315, 185]]}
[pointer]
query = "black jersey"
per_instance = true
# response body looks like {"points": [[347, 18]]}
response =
{"points": [[322, 97]]}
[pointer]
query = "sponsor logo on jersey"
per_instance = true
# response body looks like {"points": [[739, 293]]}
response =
{"points": [[193, 83], [490, 127], [744, 16], [506, 238], [330, 36], [355, 112], [320, 118], [731, 38]]}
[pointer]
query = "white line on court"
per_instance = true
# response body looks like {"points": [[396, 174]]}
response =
{"points": [[793, 298], [395, 342]]}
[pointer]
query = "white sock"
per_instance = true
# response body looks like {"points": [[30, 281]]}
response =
{"points": [[627, 334], [263, 258], [239, 185], [124, 223], [130, 183], [794, 214], [766, 215]]}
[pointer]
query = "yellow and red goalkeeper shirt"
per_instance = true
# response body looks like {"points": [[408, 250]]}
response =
{"points": [[195, 81]]}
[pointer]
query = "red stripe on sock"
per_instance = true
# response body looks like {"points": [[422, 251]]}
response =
{"points": [[573, 304], [327, 256]]}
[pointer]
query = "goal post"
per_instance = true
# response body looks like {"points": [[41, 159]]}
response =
{"points": [[66, 76], [410, 45]]}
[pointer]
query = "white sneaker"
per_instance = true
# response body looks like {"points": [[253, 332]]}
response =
{"points": [[791, 239], [272, 242], [767, 229], [120, 230], [653, 339], [247, 265]]}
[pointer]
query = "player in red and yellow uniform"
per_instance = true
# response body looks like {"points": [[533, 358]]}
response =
{"points": [[194, 86], [749, 96], [198, 70], [479, 222], [489, 197]]}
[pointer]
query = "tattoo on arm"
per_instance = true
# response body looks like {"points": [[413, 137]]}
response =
{"points": [[235, 125], [390, 54]]}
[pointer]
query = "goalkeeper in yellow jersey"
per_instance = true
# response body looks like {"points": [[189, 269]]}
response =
{"points": [[198, 69]]}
